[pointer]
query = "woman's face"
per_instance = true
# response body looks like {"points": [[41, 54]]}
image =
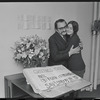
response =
{"points": [[70, 29]]}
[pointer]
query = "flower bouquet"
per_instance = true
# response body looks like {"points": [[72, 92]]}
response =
{"points": [[96, 26], [31, 51]]}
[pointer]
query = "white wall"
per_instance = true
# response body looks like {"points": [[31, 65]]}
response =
{"points": [[9, 33]]}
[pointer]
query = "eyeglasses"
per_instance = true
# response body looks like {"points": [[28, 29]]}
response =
{"points": [[61, 28]]}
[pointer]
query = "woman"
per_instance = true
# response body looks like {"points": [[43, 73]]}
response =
{"points": [[75, 62]]}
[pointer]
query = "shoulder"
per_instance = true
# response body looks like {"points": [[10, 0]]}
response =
{"points": [[75, 37], [52, 37]]}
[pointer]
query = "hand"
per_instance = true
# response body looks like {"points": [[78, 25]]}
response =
{"points": [[74, 50], [81, 45]]}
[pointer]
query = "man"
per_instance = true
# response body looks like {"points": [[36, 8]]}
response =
{"points": [[59, 54]]}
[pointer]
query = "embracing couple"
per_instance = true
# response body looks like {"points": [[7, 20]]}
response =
{"points": [[65, 47]]}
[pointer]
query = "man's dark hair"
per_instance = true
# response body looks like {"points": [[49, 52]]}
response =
{"points": [[74, 25], [59, 20]]}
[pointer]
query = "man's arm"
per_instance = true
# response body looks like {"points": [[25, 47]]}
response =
{"points": [[54, 52], [61, 55]]}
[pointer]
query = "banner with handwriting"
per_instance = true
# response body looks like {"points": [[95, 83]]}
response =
{"points": [[50, 77]]}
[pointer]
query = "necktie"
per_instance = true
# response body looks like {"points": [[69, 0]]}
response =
{"points": [[64, 37]]}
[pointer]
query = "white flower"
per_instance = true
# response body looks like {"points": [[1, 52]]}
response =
{"points": [[22, 42], [30, 55], [32, 40], [18, 56], [43, 47], [40, 43], [41, 54], [19, 50], [43, 58], [22, 48], [24, 55], [23, 39], [30, 50], [28, 45], [37, 50]]}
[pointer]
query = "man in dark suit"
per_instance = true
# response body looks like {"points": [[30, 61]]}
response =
{"points": [[59, 54]]}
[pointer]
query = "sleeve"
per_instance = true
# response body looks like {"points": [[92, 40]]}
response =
{"points": [[81, 45], [55, 54], [78, 41], [73, 41]]}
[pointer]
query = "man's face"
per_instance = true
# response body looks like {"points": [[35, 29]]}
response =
{"points": [[61, 28]]}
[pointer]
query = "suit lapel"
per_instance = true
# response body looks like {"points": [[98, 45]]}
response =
{"points": [[60, 38]]}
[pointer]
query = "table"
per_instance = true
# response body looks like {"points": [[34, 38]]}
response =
{"points": [[17, 87]]}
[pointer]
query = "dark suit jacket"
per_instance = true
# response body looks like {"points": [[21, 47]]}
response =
{"points": [[75, 62], [58, 51]]}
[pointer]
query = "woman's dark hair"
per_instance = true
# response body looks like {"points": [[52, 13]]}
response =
{"points": [[74, 25], [59, 20]]}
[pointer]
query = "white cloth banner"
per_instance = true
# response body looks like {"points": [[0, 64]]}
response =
{"points": [[56, 78]]}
